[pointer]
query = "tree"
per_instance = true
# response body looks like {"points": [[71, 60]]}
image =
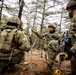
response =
{"points": [[1, 12], [37, 14], [1, 9], [21, 4]]}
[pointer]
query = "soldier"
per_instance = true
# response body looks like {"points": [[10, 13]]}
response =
{"points": [[71, 8], [51, 46], [13, 43]]}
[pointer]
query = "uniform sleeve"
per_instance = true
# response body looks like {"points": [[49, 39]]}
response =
{"points": [[58, 35], [22, 40], [41, 36]]}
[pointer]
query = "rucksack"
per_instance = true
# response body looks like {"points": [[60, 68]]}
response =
{"points": [[6, 38]]}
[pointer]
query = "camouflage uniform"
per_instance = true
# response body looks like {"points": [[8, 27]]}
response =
{"points": [[73, 38], [51, 45], [52, 48], [71, 6], [14, 44]]}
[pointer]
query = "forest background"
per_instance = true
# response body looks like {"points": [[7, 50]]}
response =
{"points": [[36, 14]]}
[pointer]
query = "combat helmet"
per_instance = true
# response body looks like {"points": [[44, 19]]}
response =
{"points": [[51, 26], [14, 20], [71, 3]]}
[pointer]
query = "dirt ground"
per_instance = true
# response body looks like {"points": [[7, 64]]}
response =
{"points": [[35, 62]]}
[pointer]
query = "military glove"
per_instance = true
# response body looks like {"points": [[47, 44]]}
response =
{"points": [[63, 56]]}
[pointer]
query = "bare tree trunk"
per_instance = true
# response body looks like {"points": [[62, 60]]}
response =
{"points": [[61, 21], [43, 17], [28, 24], [21, 4], [54, 2], [1, 9], [1, 12], [34, 20], [35, 15]]}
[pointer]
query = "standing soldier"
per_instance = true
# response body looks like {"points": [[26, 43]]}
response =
{"points": [[13, 43], [71, 8], [51, 46]]}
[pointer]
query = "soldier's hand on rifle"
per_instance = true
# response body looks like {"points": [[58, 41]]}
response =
{"points": [[63, 56], [33, 30]]}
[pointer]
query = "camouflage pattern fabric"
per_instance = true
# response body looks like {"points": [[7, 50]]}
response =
{"points": [[71, 3], [51, 46], [14, 19], [20, 44], [73, 38], [52, 51]]}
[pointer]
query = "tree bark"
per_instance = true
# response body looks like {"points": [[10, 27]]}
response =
{"points": [[43, 17], [1, 10], [1, 13], [61, 21], [21, 5]]}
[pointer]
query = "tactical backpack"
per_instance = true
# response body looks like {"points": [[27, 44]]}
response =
{"points": [[6, 38]]}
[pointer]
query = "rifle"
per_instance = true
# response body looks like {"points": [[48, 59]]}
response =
{"points": [[50, 37], [65, 45]]}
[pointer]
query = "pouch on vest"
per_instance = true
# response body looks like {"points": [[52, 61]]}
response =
{"points": [[6, 40]]}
